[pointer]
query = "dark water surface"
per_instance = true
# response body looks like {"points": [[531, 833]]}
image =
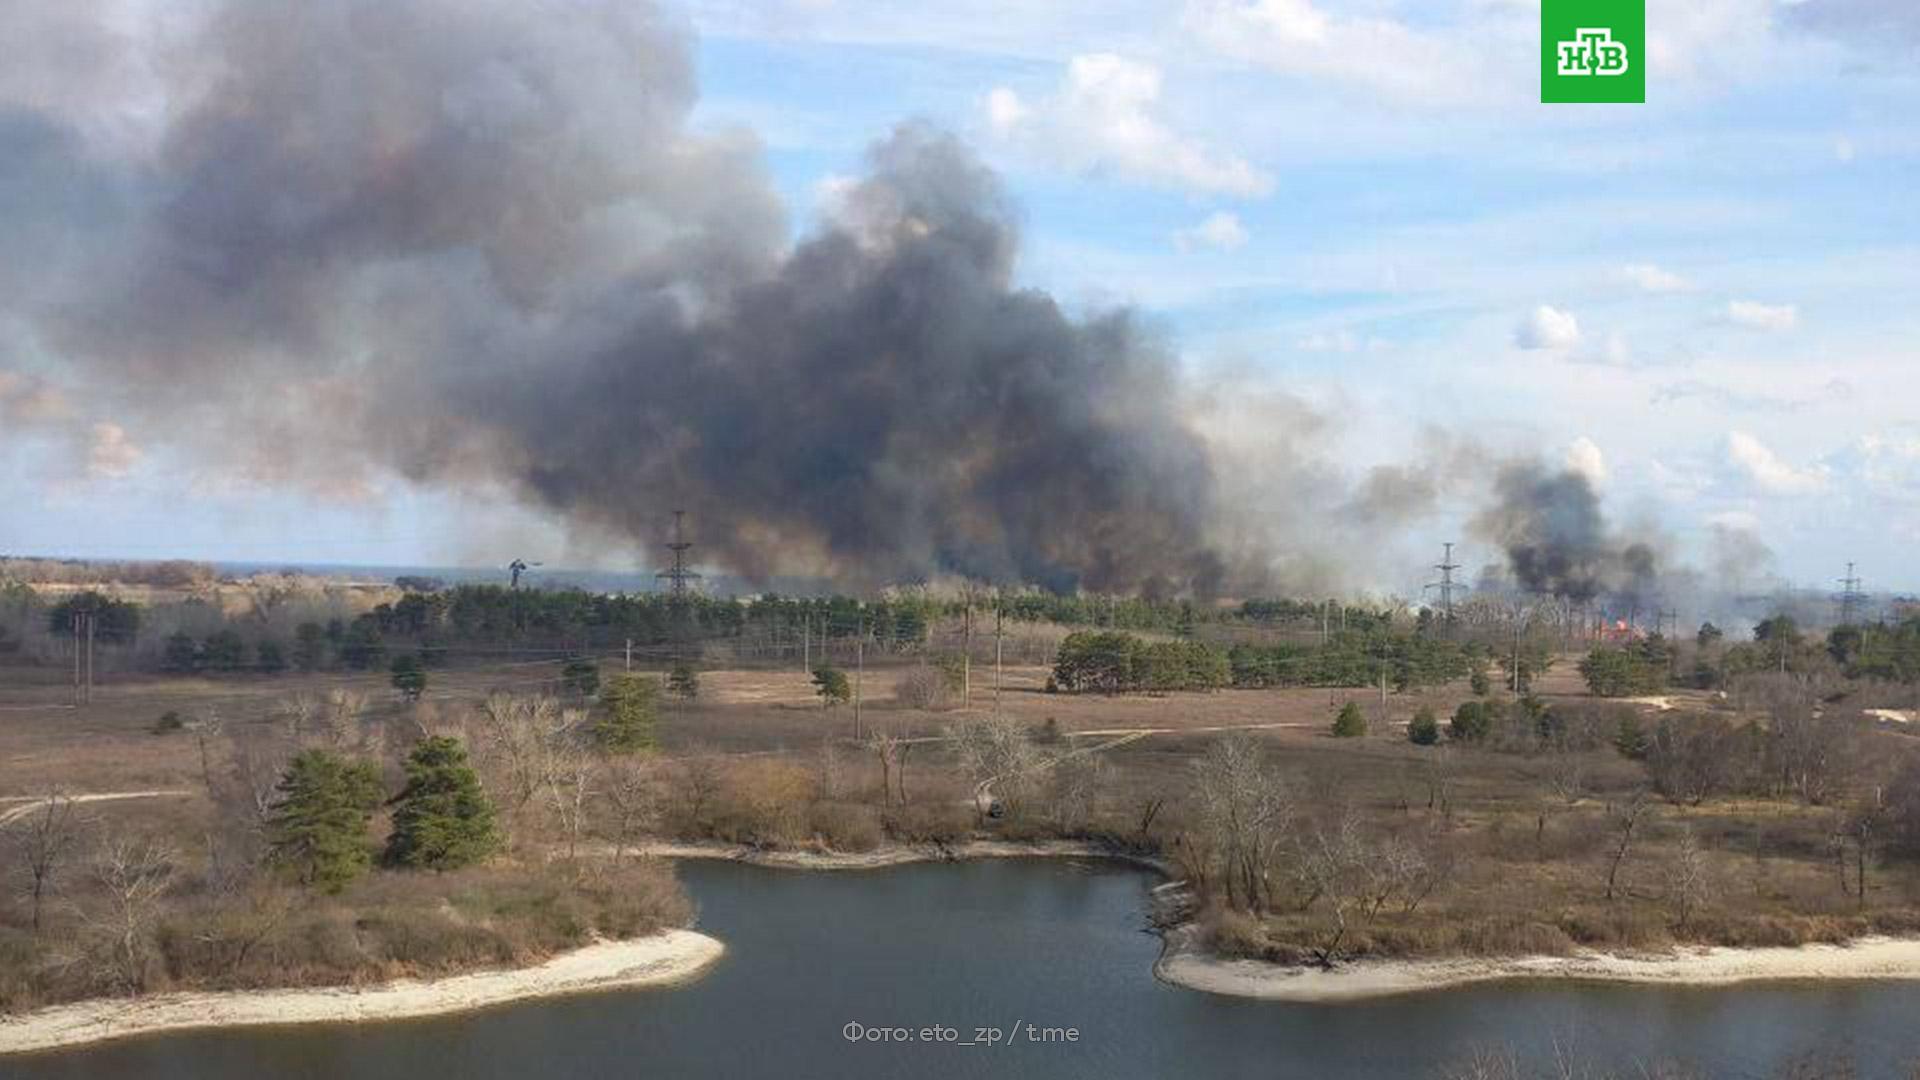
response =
{"points": [[996, 943]]}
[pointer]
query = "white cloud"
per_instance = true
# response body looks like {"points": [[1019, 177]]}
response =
{"points": [[1755, 461], [1654, 279], [1220, 231], [1338, 341], [1736, 520], [1547, 327], [1881, 466], [1585, 457], [1420, 65], [1771, 317], [1105, 119], [110, 454]]}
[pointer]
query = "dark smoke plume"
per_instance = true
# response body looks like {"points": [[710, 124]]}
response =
{"points": [[476, 243], [1557, 540]]}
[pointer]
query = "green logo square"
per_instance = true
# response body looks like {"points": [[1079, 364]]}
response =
{"points": [[1593, 50]]}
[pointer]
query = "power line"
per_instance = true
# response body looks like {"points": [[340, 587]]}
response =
{"points": [[1850, 596], [1446, 566], [679, 578]]}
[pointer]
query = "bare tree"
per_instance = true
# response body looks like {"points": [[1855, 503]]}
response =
{"points": [[132, 874], [1246, 809], [1073, 784], [630, 785], [1688, 884], [999, 757], [1626, 819], [697, 783], [891, 750], [40, 844]]}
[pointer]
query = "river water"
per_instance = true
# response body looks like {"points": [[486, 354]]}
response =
{"points": [[945, 951]]}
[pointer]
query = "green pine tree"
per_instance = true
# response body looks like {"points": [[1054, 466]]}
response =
{"points": [[627, 712], [683, 682], [1424, 728], [442, 820], [318, 825], [1351, 723], [409, 676], [832, 686]]}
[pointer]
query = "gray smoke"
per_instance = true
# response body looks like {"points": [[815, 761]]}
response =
{"points": [[1558, 542], [476, 243]]}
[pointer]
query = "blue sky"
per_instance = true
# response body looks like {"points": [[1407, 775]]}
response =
{"points": [[1707, 301]]}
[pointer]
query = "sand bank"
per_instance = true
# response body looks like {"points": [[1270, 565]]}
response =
{"points": [[1866, 958], [892, 855], [657, 960]]}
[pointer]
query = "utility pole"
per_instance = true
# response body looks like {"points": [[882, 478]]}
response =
{"points": [[997, 634], [966, 652], [77, 617], [629, 664], [679, 578], [1446, 566], [806, 642], [859, 672], [91, 620], [1850, 597]]}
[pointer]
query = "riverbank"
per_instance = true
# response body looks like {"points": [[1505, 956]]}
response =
{"points": [[1183, 963], [896, 855], [656, 960]]}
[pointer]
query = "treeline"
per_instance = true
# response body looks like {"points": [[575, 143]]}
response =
{"points": [[1112, 662], [1883, 651], [167, 574]]}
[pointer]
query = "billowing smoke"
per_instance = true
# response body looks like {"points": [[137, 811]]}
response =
{"points": [[1557, 541], [476, 242]]}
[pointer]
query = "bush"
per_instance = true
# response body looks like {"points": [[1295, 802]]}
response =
{"points": [[929, 823], [683, 682], [1472, 722], [926, 689], [1630, 737], [269, 658], [409, 676], [832, 686], [169, 723], [580, 677], [1351, 723], [1424, 728], [1624, 672], [845, 826]]}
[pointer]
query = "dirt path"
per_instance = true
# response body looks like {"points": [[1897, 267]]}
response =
{"points": [[35, 802]]}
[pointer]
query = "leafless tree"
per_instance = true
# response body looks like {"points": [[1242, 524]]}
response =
{"points": [[1246, 811], [697, 782], [1000, 758], [40, 843], [1626, 818], [631, 787], [1688, 882], [1073, 784], [132, 874], [891, 751]]}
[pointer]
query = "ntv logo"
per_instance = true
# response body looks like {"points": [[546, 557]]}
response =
{"points": [[1592, 52]]}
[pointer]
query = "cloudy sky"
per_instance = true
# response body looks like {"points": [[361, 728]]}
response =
{"points": [[1707, 302]]}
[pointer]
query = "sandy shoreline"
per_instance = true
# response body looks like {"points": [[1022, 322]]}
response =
{"points": [[1866, 958], [901, 855], [657, 960]]}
